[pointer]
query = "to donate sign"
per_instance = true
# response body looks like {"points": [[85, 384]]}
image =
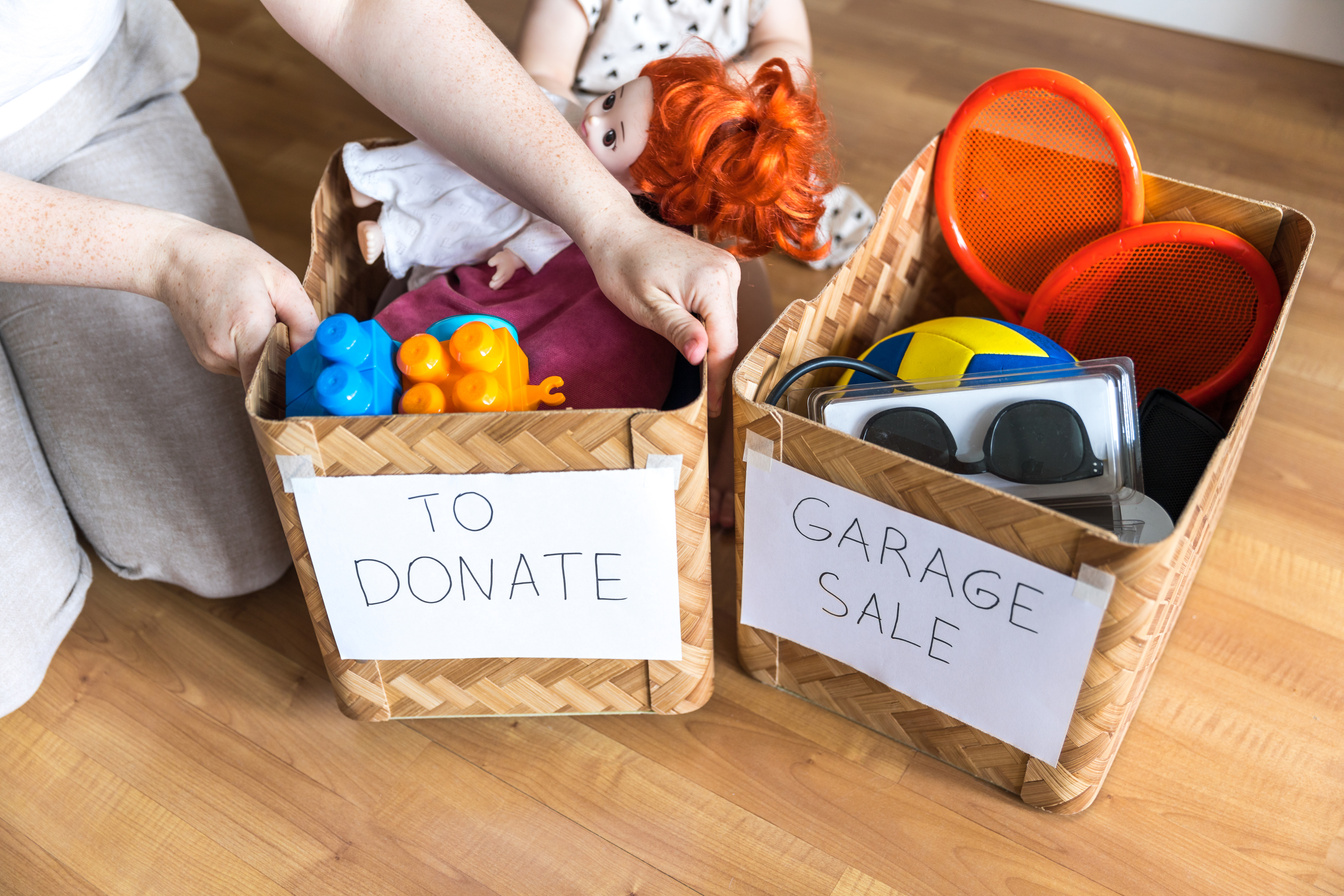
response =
{"points": [[577, 564]]}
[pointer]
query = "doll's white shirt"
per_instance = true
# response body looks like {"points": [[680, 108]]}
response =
{"points": [[46, 48], [624, 35], [435, 216]]}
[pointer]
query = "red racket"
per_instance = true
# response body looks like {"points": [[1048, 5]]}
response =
{"points": [[1191, 304], [1033, 166]]}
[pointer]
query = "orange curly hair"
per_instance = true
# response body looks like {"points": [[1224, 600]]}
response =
{"points": [[746, 161]]}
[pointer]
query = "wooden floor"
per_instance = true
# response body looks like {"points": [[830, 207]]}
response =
{"points": [[187, 746]]}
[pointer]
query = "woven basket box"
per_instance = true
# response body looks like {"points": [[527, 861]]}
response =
{"points": [[904, 274], [338, 280]]}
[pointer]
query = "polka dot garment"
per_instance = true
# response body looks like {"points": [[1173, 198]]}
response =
{"points": [[626, 34]]}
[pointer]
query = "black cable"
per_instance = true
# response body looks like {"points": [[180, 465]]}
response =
{"points": [[824, 361]]}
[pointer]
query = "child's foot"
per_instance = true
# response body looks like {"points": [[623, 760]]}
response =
{"points": [[370, 237]]}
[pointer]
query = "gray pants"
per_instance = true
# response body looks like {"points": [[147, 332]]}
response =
{"points": [[107, 423]]}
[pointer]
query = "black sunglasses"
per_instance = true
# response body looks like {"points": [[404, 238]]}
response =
{"points": [[1033, 442]]}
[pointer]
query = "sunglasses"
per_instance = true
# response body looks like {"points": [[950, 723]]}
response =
{"points": [[1033, 442]]}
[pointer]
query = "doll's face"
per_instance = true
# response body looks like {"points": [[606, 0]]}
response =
{"points": [[616, 127]]}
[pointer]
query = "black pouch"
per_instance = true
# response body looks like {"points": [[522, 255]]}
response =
{"points": [[1177, 440]]}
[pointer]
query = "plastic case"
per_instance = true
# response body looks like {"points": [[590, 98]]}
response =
{"points": [[1100, 392]]}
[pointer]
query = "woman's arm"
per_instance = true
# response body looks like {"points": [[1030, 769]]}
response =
{"points": [[224, 291], [437, 70]]}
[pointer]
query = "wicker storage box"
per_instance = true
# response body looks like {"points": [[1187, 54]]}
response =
{"points": [[339, 280], [904, 274]]}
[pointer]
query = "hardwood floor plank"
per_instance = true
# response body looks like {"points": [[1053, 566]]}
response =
{"points": [[1306, 352], [27, 868], [277, 802], [856, 883], [104, 830], [304, 834], [276, 617], [1252, 631], [672, 822], [1293, 585], [306, 715], [506, 838], [1329, 878], [1255, 808], [1129, 843], [838, 787]]}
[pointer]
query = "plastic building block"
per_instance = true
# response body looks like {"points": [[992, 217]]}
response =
{"points": [[477, 368], [348, 369]]}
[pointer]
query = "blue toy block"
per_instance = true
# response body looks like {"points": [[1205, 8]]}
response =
{"points": [[348, 369], [346, 391], [305, 405], [301, 370]]}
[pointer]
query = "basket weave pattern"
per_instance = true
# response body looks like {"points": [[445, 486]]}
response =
{"points": [[339, 280], [904, 274]]}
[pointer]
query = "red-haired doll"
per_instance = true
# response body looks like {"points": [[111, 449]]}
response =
{"points": [[750, 163]]}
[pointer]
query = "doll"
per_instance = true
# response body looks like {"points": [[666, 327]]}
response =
{"points": [[583, 49], [748, 162], [750, 165]]}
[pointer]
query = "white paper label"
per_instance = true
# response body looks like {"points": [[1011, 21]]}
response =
{"points": [[577, 564], [979, 633]]}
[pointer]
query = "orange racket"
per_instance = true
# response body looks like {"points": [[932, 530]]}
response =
{"points": [[1191, 304], [1033, 166]]}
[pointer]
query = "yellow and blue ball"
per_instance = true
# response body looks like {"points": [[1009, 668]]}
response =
{"points": [[952, 347]]}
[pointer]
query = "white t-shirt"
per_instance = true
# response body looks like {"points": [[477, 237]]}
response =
{"points": [[46, 47]]}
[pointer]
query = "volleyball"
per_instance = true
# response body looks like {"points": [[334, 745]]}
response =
{"points": [[951, 347]]}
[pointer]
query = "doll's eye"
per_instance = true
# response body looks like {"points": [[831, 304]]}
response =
{"points": [[609, 138], [609, 102]]}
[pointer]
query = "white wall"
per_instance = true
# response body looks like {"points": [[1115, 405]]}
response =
{"points": [[1313, 28]]}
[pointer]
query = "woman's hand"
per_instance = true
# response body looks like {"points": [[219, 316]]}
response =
{"points": [[226, 293], [675, 285]]}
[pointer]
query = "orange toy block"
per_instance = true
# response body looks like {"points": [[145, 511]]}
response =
{"points": [[477, 369]]}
